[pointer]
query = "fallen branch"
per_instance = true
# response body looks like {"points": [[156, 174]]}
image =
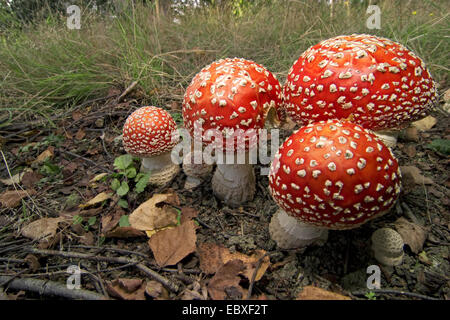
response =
{"points": [[51, 288], [395, 292], [120, 260]]}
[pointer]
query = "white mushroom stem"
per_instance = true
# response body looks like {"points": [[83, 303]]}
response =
{"points": [[389, 138], [234, 183], [290, 233], [195, 168], [161, 168]]}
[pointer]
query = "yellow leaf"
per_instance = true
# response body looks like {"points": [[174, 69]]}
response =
{"points": [[97, 199]]}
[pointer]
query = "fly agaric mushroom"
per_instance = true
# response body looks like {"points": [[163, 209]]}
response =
{"points": [[378, 83], [230, 99], [195, 172], [151, 133], [330, 175], [387, 245]]}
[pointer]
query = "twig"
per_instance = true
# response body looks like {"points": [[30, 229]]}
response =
{"points": [[394, 292], [127, 91], [252, 280], [43, 287], [85, 159], [120, 260]]}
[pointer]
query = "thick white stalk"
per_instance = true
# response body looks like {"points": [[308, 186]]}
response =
{"points": [[161, 168], [234, 183], [289, 233]]}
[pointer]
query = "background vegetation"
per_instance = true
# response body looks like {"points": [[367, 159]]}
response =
{"points": [[46, 68]]}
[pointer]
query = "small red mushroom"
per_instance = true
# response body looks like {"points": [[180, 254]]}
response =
{"points": [[230, 99], [151, 133], [330, 175], [376, 82]]}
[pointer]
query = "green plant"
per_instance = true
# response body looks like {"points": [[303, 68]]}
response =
{"points": [[127, 174], [371, 295], [77, 219]]}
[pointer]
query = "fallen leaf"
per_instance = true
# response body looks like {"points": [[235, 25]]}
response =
{"points": [[12, 198], [171, 245], [80, 134], [15, 179], [213, 256], [96, 200], [111, 220], [188, 214], [33, 262], [156, 290], [425, 124], [412, 234], [77, 115], [87, 239], [155, 213], [43, 229], [124, 232], [225, 283], [411, 176], [44, 156], [315, 293], [127, 289], [98, 177], [30, 178]]}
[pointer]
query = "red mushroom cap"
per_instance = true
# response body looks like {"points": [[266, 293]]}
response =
{"points": [[228, 95], [379, 82], [334, 174], [149, 131]]}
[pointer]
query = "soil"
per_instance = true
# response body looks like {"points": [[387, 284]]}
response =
{"points": [[339, 265]]}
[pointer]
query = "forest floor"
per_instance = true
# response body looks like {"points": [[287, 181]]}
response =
{"points": [[47, 223]]}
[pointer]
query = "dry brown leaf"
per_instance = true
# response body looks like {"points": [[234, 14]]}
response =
{"points": [[12, 198], [225, 283], [213, 256], [412, 234], [44, 156], [87, 239], [30, 178], [155, 213], [111, 220], [80, 134], [156, 290], [188, 214], [425, 124], [124, 232], [42, 229], [315, 293], [96, 200], [171, 245], [411, 176], [127, 289]]}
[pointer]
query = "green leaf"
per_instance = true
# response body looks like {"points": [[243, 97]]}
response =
{"points": [[123, 189], [123, 162], [130, 172], [142, 183], [440, 145], [123, 222], [50, 169], [101, 240], [123, 203], [77, 219], [92, 221], [115, 184]]}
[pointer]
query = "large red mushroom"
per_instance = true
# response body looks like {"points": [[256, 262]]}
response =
{"points": [[330, 175], [225, 106], [151, 133], [374, 81]]}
